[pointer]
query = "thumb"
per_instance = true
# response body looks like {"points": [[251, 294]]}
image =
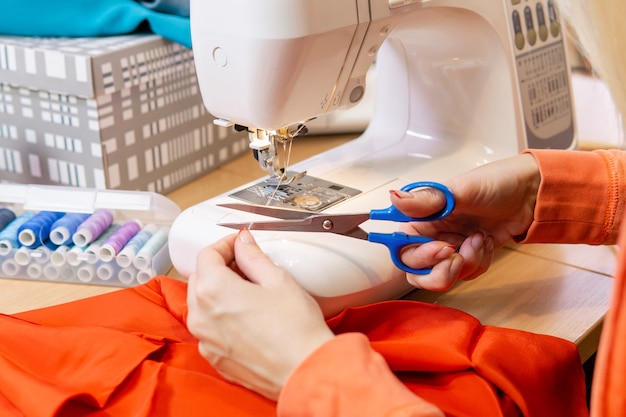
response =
{"points": [[253, 262], [418, 203]]}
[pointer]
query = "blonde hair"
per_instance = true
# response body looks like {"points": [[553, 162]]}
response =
{"points": [[599, 27]]}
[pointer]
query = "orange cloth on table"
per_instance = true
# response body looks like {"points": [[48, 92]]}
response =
{"points": [[128, 353]]}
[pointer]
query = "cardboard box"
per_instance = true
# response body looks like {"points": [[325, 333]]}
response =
{"points": [[121, 112]]}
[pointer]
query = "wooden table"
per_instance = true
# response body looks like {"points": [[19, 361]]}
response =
{"points": [[559, 290]]}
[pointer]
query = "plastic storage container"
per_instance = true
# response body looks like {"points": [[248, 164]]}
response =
{"points": [[126, 263]]}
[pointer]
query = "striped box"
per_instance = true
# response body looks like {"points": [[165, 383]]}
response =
{"points": [[121, 112]]}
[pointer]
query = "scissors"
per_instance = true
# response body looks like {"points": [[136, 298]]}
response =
{"points": [[348, 224]]}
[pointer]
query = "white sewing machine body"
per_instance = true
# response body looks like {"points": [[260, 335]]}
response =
{"points": [[459, 83]]}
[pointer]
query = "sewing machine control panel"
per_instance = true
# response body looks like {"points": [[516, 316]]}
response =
{"points": [[544, 82]]}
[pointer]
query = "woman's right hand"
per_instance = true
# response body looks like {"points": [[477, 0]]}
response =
{"points": [[494, 204]]}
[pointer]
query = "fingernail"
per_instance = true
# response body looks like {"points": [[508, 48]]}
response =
{"points": [[445, 252], [245, 236], [456, 265], [401, 194], [477, 241]]}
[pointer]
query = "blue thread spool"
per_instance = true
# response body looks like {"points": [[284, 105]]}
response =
{"points": [[144, 257], [35, 231], [6, 217], [8, 235], [62, 230]]}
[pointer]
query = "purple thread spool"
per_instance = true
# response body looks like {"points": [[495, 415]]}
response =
{"points": [[35, 231], [93, 227], [63, 229], [114, 244], [127, 254]]}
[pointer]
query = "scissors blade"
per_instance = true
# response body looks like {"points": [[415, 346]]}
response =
{"points": [[342, 224], [279, 213]]}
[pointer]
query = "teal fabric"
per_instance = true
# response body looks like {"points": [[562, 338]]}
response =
{"points": [[88, 18]]}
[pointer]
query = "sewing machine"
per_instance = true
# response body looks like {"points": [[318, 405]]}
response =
{"points": [[459, 83]]}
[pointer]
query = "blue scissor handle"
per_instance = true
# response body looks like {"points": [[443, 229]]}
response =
{"points": [[398, 240], [393, 214], [395, 242]]}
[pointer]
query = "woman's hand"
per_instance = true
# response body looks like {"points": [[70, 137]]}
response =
{"points": [[494, 203], [254, 323]]}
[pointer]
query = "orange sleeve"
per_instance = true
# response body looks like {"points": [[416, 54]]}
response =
{"points": [[346, 377], [581, 197]]}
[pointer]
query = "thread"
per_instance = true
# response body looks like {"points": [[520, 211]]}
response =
{"points": [[45, 244], [114, 244], [6, 217], [147, 251], [94, 247], [8, 235], [64, 228], [36, 230], [127, 254], [93, 227]]}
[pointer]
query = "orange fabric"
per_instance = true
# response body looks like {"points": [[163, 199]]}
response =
{"points": [[445, 357], [597, 182], [128, 353]]}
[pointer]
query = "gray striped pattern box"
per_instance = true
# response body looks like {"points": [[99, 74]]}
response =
{"points": [[121, 112]]}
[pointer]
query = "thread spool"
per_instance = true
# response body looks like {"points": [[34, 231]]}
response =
{"points": [[127, 275], [93, 227], [75, 256], [34, 271], [8, 235], [58, 258], [94, 247], [36, 230], [86, 273], [51, 272], [6, 217], [114, 244], [144, 257], [64, 228], [127, 254], [105, 271], [10, 268], [144, 276], [22, 256]]}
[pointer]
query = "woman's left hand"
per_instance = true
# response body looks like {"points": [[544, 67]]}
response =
{"points": [[255, 324]]}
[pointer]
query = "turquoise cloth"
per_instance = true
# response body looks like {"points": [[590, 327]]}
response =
{"points": [[87, 18]]}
